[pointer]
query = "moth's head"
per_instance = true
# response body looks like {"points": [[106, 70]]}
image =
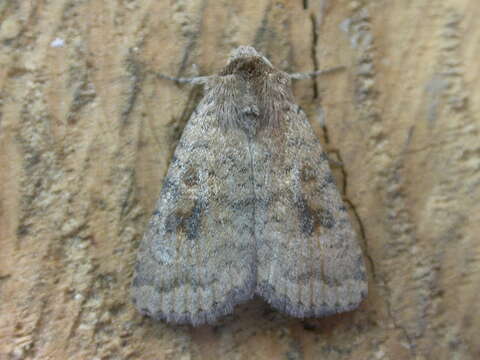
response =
{"points": [[246, 60], [245, 52]]}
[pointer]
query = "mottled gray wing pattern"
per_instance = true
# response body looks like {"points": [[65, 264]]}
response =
{"points": [[197, 257], [308, 260]]}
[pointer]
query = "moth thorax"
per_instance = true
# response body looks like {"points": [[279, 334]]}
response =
{"points": [[247, 67]]}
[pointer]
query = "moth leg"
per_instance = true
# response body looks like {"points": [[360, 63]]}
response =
{"points": [[309, 75]]}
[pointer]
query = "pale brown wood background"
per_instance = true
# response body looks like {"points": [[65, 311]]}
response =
{"points": [[87, 131]]}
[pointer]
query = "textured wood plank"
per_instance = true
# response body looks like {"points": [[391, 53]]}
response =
{"points": [[87, 132]]}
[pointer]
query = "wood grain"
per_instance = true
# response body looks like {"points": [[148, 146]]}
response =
{"points": [[87, 131]]}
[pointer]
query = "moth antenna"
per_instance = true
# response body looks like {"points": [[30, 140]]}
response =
{"points": [[197, 80], [309, 75]]}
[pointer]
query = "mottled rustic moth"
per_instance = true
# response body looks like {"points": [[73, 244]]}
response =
{"points": [[248, 206]]}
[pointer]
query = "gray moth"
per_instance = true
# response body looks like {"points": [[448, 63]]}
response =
{"points": [[248, 207]]}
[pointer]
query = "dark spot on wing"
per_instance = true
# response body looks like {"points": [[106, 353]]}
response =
{"points": [[326, 219], [307, 174], [186, 220], [312, 220], [329, 179], [190, 178]]}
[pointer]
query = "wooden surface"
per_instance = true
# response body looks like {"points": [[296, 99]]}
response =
{"points": [[87, 131]]}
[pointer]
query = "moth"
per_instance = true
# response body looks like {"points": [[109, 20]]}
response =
{"points": [[248, 207]]}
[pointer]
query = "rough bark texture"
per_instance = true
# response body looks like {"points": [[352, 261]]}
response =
{"points": [[87, 131]]}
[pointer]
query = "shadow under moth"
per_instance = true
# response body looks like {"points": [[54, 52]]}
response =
{"points": [[248, 207]]}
